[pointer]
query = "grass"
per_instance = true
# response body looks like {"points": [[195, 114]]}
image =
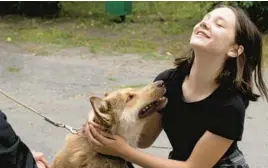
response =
{"points": [[13, 69], [111, 78], [85, 24]]}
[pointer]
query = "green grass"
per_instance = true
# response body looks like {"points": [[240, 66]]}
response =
{"points": [[110, 78], [13, 69], [265, 50], [85, 24]]}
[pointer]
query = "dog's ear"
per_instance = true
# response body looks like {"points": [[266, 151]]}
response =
{"points": [[106, 94], [101, 109]]}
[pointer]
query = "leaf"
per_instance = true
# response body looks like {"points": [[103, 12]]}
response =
{"points": [[9, 39]]}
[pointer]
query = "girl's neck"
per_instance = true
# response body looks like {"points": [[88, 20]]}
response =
{"points": [[204, 72]]}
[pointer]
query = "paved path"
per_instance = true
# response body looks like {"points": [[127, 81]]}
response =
{"points": [[59, 86]]}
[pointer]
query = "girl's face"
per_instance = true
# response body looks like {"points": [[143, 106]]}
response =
{"points": [[216, 32]]}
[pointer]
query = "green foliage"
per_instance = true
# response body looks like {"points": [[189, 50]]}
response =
{"points": [[28, 8], [256, 10], [157, 30]]}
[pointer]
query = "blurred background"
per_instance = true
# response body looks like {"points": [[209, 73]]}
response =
{"points": [[54, 55], [151, 29]]}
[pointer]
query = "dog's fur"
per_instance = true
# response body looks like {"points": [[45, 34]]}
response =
{"points": [[118, 113]]}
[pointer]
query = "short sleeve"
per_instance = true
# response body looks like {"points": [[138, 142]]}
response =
{"points": [[165, 76], [228, 122]]}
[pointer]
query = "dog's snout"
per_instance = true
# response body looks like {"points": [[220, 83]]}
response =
{"points": [[160, 83]]}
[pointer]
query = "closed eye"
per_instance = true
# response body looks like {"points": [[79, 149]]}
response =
{"points": [[220, 22], [219, 25]]}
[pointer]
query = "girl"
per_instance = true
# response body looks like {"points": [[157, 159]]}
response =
{"points": [[208, 94]]}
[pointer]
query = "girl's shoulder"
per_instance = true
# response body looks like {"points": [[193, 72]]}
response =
{"points": [[172, 74]]}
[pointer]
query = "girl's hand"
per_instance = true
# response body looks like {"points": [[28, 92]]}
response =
{"points": [[105, 143]]}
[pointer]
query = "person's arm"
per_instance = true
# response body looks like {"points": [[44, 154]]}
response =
{"points": [[209, 149], [150, 131], [206, 153], [13, 152]]}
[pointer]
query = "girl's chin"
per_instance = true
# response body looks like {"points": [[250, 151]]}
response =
{"points": [[195, 41], [199, 46]]}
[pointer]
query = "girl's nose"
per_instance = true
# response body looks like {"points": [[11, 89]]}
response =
{"points": [[205, 24]]}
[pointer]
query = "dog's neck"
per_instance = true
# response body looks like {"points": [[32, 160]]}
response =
{"points": [[81, 132], [130, 134], [125, 129]]}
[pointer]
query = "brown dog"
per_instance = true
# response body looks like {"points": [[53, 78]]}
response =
{"points": [[123, 112]]}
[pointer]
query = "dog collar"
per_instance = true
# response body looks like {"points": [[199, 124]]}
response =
{"points": [[111, 157]]}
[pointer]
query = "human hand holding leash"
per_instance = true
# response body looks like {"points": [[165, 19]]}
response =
{"points": [[40, 160]]}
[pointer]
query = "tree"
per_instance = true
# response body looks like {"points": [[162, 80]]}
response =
{"points": [[256, 10], [29, 8]]}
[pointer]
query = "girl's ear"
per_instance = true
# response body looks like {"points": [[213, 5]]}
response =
{"points": [[236, 51]]}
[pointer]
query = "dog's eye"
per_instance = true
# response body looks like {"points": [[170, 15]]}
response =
{"points": [[130, 96]]}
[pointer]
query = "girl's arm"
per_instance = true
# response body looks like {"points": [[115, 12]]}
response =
{"points": [[207, 152], [209, 149]]}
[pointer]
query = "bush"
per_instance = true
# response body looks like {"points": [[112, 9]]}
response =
{"points": [[29, 8], [256, 10], [8, 7]]}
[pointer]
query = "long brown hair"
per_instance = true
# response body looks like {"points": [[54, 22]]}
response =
{"points": [[238, 71]]}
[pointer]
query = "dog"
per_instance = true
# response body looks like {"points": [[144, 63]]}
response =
{"points": [[123, 112]]}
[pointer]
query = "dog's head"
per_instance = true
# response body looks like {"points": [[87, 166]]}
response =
{"points": [[128, 108]]}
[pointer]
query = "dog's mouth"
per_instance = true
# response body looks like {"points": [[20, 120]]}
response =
{"points": [[152, 107]]}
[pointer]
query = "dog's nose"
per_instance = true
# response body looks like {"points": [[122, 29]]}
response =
{"points": [[160, 83]]}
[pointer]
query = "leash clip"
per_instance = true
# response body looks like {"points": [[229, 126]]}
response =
{"points": [[69, 128], [61, 125]]}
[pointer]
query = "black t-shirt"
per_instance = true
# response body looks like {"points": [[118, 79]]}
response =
{"points": [[13, 152], [221, 113]]}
